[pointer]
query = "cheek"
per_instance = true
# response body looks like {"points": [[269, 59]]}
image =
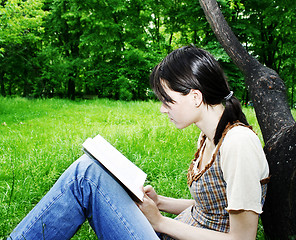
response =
{"points": [[191, 113], [185, 117]]}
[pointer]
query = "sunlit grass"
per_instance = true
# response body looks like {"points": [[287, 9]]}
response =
{"points": [[41, 138]]}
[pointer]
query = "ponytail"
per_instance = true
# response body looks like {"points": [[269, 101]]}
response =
{"points": [[232, 113]]}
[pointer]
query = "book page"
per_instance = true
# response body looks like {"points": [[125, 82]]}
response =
{"points": [[132, 177]]}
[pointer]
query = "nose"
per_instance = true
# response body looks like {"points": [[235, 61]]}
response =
{"points": [[163, 108]]}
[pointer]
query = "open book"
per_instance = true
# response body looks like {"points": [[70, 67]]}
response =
{"points": [[127, 173]]}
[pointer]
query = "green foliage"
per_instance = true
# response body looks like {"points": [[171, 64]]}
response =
{"points": [[72, 48], [20, 36]]}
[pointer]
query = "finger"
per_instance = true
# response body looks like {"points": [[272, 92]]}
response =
{"points": [[148, 188], [148, 200], [140, 203]]}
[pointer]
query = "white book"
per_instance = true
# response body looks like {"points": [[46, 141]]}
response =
{"points": [[128, 174]]}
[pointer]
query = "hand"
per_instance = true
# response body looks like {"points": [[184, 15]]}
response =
{"points": [[149, 190], [150, 210]]}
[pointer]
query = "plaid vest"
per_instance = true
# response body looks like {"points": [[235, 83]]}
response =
{"points": [[208, 189]]}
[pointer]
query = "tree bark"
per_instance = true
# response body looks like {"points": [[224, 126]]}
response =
{"points": [[279, 218], [277, 125]]}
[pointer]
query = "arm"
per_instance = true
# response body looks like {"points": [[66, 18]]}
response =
{"points": [[166, 204], [243, 225]]}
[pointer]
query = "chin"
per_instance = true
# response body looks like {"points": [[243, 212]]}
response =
{"points": [[181, 126]]}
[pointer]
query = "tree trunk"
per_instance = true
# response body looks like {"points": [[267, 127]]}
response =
{"points": [[71, 88], [268, 94], [279, 218], [3, 93]]}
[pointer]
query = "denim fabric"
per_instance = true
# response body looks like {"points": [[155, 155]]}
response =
{"points": [[85, 191]]}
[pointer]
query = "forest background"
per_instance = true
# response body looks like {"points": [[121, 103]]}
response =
{"points": [[75, 48]]}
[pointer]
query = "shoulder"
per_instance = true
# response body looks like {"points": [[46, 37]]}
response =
{"points": [[242, 148], [241, 136], [243, 131]]}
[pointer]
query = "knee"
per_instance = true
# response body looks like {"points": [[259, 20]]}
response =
{"points": [[84, 162]]}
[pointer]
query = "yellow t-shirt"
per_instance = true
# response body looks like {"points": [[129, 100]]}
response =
{"points": [[243, 164]]}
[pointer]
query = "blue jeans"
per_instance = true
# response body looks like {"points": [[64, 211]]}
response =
{"points": [[85, 191]]}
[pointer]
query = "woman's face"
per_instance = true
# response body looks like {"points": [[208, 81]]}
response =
{"points": [[184, 111]]}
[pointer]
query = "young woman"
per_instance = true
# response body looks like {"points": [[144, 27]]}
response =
{"points": [[227, 177]]}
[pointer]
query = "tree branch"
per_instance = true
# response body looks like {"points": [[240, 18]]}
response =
{"points": [[266, 88], [225, 36]]}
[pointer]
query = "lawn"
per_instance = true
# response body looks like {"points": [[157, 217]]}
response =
{"points": [[41, 138]]}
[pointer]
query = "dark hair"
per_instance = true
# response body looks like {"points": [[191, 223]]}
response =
{"points": [[189, 68]]}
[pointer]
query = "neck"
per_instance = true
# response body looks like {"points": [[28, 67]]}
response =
{"points": [[211, 116]]}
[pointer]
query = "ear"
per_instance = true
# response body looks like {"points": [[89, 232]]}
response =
{"points": [[197, 97]]}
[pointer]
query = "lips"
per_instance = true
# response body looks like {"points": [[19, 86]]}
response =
{"points": [[171, 119]]}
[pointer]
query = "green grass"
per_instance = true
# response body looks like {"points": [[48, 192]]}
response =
{"points": [[39, 139]]}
